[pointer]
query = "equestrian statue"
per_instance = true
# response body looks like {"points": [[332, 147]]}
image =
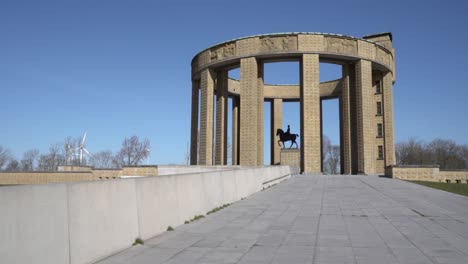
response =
{"points": [[286, 136]]}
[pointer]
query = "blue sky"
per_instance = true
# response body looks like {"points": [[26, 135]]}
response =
{"points": [[122, 68]]}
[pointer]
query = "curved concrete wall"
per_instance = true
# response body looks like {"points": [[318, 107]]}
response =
{"points": [[87, 221]]}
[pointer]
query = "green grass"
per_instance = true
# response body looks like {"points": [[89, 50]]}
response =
{"points": [[138, 241], [457, 188]]}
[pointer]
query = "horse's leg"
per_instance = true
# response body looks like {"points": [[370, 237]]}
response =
{"points": [[291, 144]]}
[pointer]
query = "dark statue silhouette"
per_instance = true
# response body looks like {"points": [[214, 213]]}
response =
{"points": [[286, 136]]}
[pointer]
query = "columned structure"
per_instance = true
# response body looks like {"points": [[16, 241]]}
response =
{"points": [[364, 92]]}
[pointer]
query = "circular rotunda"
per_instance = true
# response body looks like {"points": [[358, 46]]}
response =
{"points": [[364, 92]]}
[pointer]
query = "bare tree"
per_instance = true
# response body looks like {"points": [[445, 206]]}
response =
{"points": [[103, 159], [12, 166], [333, 160], [445, 153], [331, 156], [50, 161], [69, 151], [5, 156], [187, 155], [133, 152], [29, 157]]}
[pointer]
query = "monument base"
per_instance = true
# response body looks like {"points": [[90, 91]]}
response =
{"points": [[291, 157]]}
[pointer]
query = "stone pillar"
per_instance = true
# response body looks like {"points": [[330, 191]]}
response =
{"points": [[194, 126], [221, 118], [365, 111], [260, 115], [310, 114], [206, 118], [345, 121], [248, 112], [235, 131], [388, 119], [276, 115]]}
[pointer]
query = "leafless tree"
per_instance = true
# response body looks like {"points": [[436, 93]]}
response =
{"points": [[331, 156], [187, 155], [5, 156], [103, 159], [50, 161], [333, 160], [12, 166], [133, 152], [29, 157], [70, 149], [445, 153]]}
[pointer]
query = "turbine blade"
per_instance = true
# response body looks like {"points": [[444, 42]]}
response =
{"points": [[84, 138], [87, 152]]}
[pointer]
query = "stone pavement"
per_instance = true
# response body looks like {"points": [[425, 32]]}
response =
{"points": [[321, 219]]}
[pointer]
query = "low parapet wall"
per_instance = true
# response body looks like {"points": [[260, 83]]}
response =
{"points": [[426, 173], [86, 221], [74, 174]]}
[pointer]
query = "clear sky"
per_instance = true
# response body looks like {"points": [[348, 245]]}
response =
{"points": [[120, 68]]}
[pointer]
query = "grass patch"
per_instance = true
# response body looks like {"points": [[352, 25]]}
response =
{"points": [[138, 241], [457, 188], [169, 228], [218, 208], [197, 217]]}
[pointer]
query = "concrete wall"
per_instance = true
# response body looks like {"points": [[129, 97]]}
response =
{"points": [[183, 169], [87, 221], [426, 173]]}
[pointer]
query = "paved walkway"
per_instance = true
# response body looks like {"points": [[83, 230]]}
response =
{"points": [[322, 219]]}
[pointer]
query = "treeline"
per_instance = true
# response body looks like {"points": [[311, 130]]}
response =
{"points": [[445, 153], [133, 152], [331, 156]]}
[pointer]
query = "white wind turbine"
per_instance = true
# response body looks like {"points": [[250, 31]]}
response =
{"points": [[82, 148]]}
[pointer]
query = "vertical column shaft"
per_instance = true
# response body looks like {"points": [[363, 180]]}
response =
{"points": [[206, 117], [235, 131], [276, 115], [221, 118], [310, 114], [248, 112], [194, 125], [260, 115], [345, 121], [365, 117], [388, 119]]}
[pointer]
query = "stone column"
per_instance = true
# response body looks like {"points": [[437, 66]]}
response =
{"points": [[310, 114], [221, 118], [388, 119], [194, 126], [248, 112], [235, 131], [365, 110], [260, 115], [206, 117], [345, 121], [276, 115]]}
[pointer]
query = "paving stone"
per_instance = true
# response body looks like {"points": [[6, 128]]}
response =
{"points": [[321, 219]]}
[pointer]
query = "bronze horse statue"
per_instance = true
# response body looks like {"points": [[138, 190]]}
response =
{"points": [[286, 137]]}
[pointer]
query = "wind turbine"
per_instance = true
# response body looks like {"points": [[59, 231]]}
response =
{"points": [[82, 148], [149, 154]]}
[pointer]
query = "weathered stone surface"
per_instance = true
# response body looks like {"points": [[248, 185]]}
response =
{"points": [[322, 219], [367, 143]]}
